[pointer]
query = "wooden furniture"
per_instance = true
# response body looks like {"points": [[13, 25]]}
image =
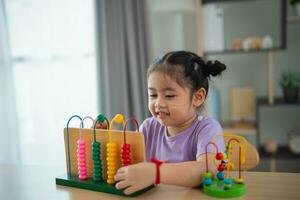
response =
{"points": [[38, 182], [276, 121]]}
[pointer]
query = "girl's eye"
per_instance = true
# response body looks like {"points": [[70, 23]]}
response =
{"points": [[153, 95], [170, 96]]}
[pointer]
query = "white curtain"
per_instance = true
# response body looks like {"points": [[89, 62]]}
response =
{"points": [[9, 145], [122, 53]]}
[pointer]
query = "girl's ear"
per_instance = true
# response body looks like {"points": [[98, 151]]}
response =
{"points": [[199, 97]]}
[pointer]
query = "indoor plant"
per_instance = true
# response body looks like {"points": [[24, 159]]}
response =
{"points": [[290, 83], [296, 4]]}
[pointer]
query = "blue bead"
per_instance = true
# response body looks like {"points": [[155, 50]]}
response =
{"points": [[220, 175], [207, 181], [227, 181]]}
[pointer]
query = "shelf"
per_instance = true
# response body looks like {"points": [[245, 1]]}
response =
{"points": [[241, 128], [277, 102], [283, 152], [293, 19], [232, 51]]}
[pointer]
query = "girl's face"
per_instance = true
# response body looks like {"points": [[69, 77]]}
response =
{"points": [[168, 102]]}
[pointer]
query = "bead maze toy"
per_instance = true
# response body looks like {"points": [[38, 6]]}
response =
{"points": [[92, 166], [223, 185]]}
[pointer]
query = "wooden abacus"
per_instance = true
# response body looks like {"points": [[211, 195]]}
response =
{"points": [[89, 163]]}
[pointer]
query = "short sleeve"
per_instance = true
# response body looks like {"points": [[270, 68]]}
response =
{"points": [[144, 128], [211, 132]]}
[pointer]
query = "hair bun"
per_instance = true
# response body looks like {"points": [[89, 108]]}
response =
{"points": [[214, 69]]}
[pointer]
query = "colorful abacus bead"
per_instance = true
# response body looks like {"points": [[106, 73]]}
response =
{"points": [[81, 159], [125, 154], [220, 176], [230, 166], [225, 156], [239, 180], [111, 149], [219, 156], [207, 178], [97, 176], [227, 184], [221, 167], [207, 181]]}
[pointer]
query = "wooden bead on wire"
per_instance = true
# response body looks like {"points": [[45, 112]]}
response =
{"points": [[81, 159], [97, 176], [125, 154], [111, 159]]}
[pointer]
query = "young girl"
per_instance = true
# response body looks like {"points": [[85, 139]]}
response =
{"points": [[176, 135]]}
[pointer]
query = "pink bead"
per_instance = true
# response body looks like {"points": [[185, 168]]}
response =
{"points": [[82, 164], [80, 156], [82, 177], [81, 142], [81, 148], [80, 151], [82, 169], [81, 159]]}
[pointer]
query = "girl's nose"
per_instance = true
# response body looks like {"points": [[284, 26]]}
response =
{"points": [[160, 103]]}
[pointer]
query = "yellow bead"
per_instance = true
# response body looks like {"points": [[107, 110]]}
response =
{"points": [[224, 156], [119, 118], [111, 159], [111, 144], [111, 168], [239, 180], [230, 166], [109, 154], [111, 173], [110, 181]]}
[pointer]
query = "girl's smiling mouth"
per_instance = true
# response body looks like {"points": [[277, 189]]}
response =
{"points": [[162, 114]]}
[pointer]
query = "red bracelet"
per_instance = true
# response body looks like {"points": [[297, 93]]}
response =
{"points": [[157, 163]]}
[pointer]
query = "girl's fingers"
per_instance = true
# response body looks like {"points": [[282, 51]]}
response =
{"points": [[122, 170], [130, 190], [122, 184], [120, 176]]}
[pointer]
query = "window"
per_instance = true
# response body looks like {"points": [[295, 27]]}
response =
{"points": [[53, 48]]}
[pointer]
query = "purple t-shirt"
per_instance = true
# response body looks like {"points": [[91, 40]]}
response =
{"points": [[185, 146]]}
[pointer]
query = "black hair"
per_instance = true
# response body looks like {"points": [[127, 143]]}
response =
{"points": [[187, 68]]}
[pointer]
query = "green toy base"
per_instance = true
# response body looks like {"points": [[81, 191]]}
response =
{"points": [[89, 184], [216, 189]]}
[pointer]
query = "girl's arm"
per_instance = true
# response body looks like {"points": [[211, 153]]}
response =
{"points": [[141, 175]]}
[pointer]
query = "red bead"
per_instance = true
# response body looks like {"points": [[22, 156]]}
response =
{"points": [[221, 167], [125, 154], [219, 156]]}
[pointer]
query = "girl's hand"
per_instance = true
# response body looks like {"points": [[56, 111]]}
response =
{"points": [[135, 177]]}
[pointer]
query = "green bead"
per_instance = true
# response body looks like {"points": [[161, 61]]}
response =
{"points": [[96, 157], [96, 149], [96, 144], [97, 162], [97, 179], [97, 171], [101, 118], [97, 166], [227, 186], [207, 175], [96, 152]]}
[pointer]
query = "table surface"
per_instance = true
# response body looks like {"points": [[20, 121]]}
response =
{"points": [[38, 182]]}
